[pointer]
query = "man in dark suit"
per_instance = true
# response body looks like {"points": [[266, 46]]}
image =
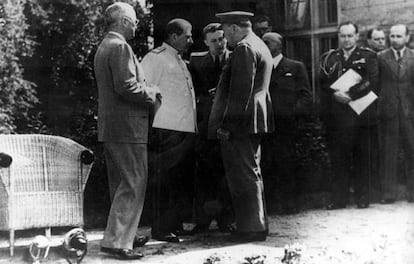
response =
{"points": [[291, 101], [396, 107], [123, 119], [211, 197], [350, 136], [241, 113]]}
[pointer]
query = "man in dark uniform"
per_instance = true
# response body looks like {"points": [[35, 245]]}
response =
{"points": [[291, 101], [212, 198], [349, 135], [240, 115]]}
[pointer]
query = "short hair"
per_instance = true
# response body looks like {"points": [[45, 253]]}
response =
{"points": [[211, 28], [114, 12], [176, 26], [369, 32], [346, 23], [261, 18], [407, 31]]}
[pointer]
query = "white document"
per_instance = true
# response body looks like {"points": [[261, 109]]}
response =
{"points": [[346, 81], [360, 104]]}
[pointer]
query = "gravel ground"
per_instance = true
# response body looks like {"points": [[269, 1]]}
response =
{"points": [[379, 234]]}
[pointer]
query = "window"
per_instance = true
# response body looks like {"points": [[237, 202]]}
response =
{"points": [[300, 48], [328, 12], [297, 14], [328, 42]]}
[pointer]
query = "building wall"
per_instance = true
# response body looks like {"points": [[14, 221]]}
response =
{"points": [[370, 13]]}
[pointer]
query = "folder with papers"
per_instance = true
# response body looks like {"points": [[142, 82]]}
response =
{"points": [[346, 81]]}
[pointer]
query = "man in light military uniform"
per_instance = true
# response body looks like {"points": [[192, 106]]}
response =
{"points": [[174, 127], [350, 136], [211, 197]]}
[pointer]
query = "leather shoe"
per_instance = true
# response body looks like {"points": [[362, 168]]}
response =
{"points": [[245, 237], [140, 241], [227, 229], [197, 229], [334, 206], [387, 201], [167, 237], [122, 253]]}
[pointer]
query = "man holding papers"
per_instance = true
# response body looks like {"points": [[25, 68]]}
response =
{"points": [[349, 76], [396, 108]]}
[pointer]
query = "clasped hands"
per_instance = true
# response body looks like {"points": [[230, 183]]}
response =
{"points": [[154, 93], [342, 97]]}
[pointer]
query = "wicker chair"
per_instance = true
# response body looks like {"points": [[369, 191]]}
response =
{"points": [[42, 179]]}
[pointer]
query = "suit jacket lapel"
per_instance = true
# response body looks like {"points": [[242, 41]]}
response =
{"points": [[280, 69], [392, 62], [208, 61], [403, 66]]}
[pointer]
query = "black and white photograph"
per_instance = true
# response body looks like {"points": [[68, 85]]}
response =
{"points": [[207, 131]]}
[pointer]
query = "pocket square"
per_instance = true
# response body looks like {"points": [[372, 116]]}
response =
{"points": [[288, 74]]}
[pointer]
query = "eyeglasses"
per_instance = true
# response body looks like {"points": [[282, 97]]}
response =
{"points": [[134, 22]]}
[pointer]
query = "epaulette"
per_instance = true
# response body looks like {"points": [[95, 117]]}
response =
{"points": [[158, 49], [198, 54], [327, 54], [367, 49]]}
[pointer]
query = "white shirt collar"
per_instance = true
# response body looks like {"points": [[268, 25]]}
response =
{"points": [[401, 50], [277, 59], [118, 35], [347, 53]]}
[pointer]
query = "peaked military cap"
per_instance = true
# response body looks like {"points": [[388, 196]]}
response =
{"points": [[234, 17]]}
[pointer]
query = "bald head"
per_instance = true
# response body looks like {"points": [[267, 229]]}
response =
{"points": [[274, 42]]}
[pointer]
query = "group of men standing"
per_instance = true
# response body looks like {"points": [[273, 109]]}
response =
{"points": [[215, 112], [158, 101], [365, 147]]}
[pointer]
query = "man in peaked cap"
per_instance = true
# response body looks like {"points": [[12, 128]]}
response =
{"points": [[240, 114]]}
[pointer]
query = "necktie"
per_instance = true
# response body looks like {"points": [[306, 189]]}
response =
{"points": [[399, 56], [217, 64]]}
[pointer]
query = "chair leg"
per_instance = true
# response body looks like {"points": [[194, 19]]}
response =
{"points": [[11, 242], [48, 232]]}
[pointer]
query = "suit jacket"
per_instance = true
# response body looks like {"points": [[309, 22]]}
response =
{"points": [[205, 77], [124, 99], [290, 90], [396, 85], [242, 104], [333, 65]]}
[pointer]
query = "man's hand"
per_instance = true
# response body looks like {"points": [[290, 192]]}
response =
{"points": [[223, 134], [341, 97], [154, 94]]}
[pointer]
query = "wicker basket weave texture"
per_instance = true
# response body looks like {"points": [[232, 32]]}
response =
{"points": [[44, 185]]}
